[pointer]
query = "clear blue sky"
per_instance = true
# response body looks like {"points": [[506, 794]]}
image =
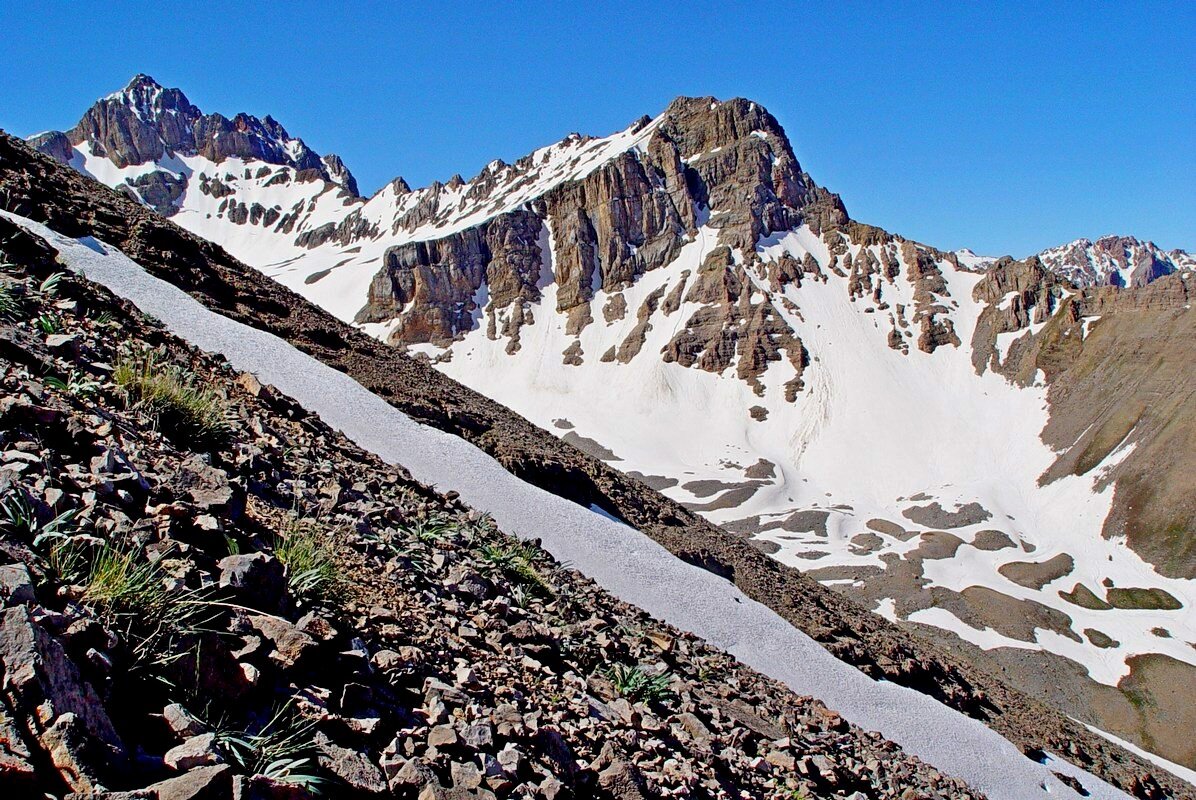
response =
{"points": [[962, 125]]}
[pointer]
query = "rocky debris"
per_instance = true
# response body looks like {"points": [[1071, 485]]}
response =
{"points": [[441, 659], [38, 187]]}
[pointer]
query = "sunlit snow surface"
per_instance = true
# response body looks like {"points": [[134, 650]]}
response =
{"points": [[873, 429], [624, 561]]}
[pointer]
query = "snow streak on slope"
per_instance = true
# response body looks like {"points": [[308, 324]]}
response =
{"points": [[620, 558]]}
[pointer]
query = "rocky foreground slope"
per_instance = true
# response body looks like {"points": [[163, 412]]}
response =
{"points": [[38, 188], [208, 593]]}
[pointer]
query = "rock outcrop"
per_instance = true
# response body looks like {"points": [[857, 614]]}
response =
{"points": [[725, 164]]}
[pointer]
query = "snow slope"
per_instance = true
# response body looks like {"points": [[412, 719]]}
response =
{"points": [[621, 559], [876, 432]]}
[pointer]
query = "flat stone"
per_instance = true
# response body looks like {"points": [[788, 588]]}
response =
{"points": [[198, 751]]}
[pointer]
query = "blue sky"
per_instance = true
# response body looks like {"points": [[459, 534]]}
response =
{"points": [[1006, 129]]}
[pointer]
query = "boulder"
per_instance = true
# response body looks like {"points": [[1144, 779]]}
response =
{"points": [[209, 488], [257, 580], [197, 751], [63, 711], [354, 768], [201, 783], [16, 586], [291, 645]]}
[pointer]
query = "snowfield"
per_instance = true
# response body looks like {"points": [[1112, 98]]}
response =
{"points": [[875, 433], [621, 559]]}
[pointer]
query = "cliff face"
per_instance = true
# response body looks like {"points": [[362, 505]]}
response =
{"points": [[1117, 363], [727, 165]]}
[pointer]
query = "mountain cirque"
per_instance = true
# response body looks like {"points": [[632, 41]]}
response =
{"points": [[965, 443]]}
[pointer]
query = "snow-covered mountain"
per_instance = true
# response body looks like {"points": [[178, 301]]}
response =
{"points": [[1115, 261], [681, 299]]}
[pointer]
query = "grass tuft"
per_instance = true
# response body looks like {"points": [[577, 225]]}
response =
{"points": [[10, 302], [170, 396], [639, 686], [129, 594], [283, 749], [312, 570], [76, 383], [516, 561]]}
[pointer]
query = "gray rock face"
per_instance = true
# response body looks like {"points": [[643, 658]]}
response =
{"points": [[55, 144], [439, 279], [146, 122]]}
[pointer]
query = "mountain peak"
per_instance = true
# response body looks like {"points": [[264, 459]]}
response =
{"points": [[139, 82], [146, 122], [1114, 260]]}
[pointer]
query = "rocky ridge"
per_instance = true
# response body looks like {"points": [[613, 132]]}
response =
{"points": [[1115, 261], [154, 129]]}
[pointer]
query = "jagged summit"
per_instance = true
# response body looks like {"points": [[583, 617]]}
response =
{"points": [[146, 125], [1115, 261]]}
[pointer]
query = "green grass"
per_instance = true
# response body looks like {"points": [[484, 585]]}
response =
{"points": [[172, 397], [49, 287], [639, 686], [515, 561], [76, 383], [19, 518], [129, 594], [283, 749], [432, 531], [123, 582], [308, 555], [1138, 598], [1084, 597], [48, 323]]}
